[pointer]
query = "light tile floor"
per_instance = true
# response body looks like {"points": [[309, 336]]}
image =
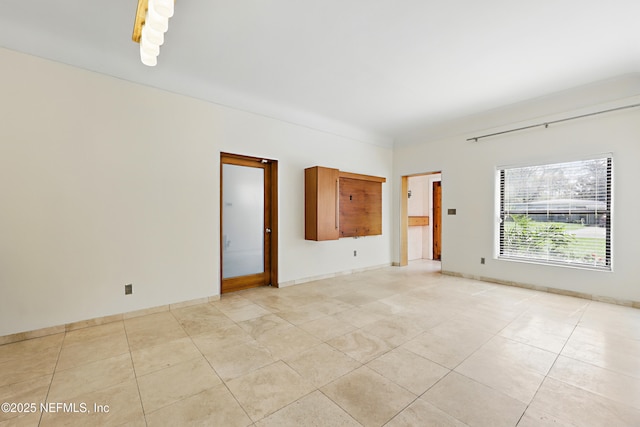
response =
{"points": [[396, 346]]}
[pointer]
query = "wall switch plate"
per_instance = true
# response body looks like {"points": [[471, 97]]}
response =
{"points": [[128, 289], [451, 211], [481, 260], [355, 253]]}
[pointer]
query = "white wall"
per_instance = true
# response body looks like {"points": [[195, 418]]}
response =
{"points": [[468, 177], [105, 182]]}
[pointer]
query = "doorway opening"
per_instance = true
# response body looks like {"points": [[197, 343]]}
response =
{"points": [[421, 217], [248, 222]]}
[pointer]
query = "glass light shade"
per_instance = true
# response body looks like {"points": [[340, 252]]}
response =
{"points": [[153, 36], [148, 60], [149, 48], [155, 20], [163, 7]]}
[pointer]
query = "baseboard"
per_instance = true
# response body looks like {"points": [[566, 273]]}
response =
{"points": [[330, 275], [599, 298], [43, 332]]}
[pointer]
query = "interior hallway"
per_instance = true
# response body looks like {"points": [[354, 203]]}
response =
{"points": [[396, 346]]}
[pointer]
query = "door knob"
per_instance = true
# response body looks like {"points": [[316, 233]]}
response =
{"points": [[268, 230]]}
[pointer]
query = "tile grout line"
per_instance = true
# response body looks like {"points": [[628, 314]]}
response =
{"points": [[135, 375], [270, 364], [53, 374], [365, 365], [314, 389], [210, 365], [224, 382], [554, 361], [338, 405], [453, 370], [378, 356]]}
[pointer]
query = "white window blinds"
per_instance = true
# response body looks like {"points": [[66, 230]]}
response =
{"points": [[557, 213]]}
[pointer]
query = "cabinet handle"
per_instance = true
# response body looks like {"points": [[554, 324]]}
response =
{"points": [[337, 204]]}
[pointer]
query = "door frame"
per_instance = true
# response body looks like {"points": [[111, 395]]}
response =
{"points": [[404, 215], [270, 167]]}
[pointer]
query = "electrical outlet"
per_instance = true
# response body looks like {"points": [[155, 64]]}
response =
{"points": [[481, 260], [128, 289], [355, 253]]}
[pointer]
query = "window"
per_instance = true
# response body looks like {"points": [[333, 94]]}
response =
{"points": [[557, 213]]}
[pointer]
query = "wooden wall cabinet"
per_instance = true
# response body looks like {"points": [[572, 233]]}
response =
{"points": [[321, 204], [341, 204]]}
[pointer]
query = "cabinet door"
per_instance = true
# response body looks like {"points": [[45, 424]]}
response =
{"points": [[360, 207], [321, 204]]}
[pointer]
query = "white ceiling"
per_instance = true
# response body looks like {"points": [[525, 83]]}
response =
{"points": [[367, 69]]}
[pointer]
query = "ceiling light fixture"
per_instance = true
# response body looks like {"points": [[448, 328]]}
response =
{"points": [[152, 21]]}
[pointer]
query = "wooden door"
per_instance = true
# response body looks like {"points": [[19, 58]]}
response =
{"points": [[437, 219], [248, 225]]}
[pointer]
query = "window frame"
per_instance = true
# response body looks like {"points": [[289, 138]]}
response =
{"points": [[501, 214]]}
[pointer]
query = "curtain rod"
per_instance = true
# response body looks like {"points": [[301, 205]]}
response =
{"points": [[546, 124]]}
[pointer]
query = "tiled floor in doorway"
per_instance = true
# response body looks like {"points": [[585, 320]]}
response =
{"points": [[396, 347]]}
